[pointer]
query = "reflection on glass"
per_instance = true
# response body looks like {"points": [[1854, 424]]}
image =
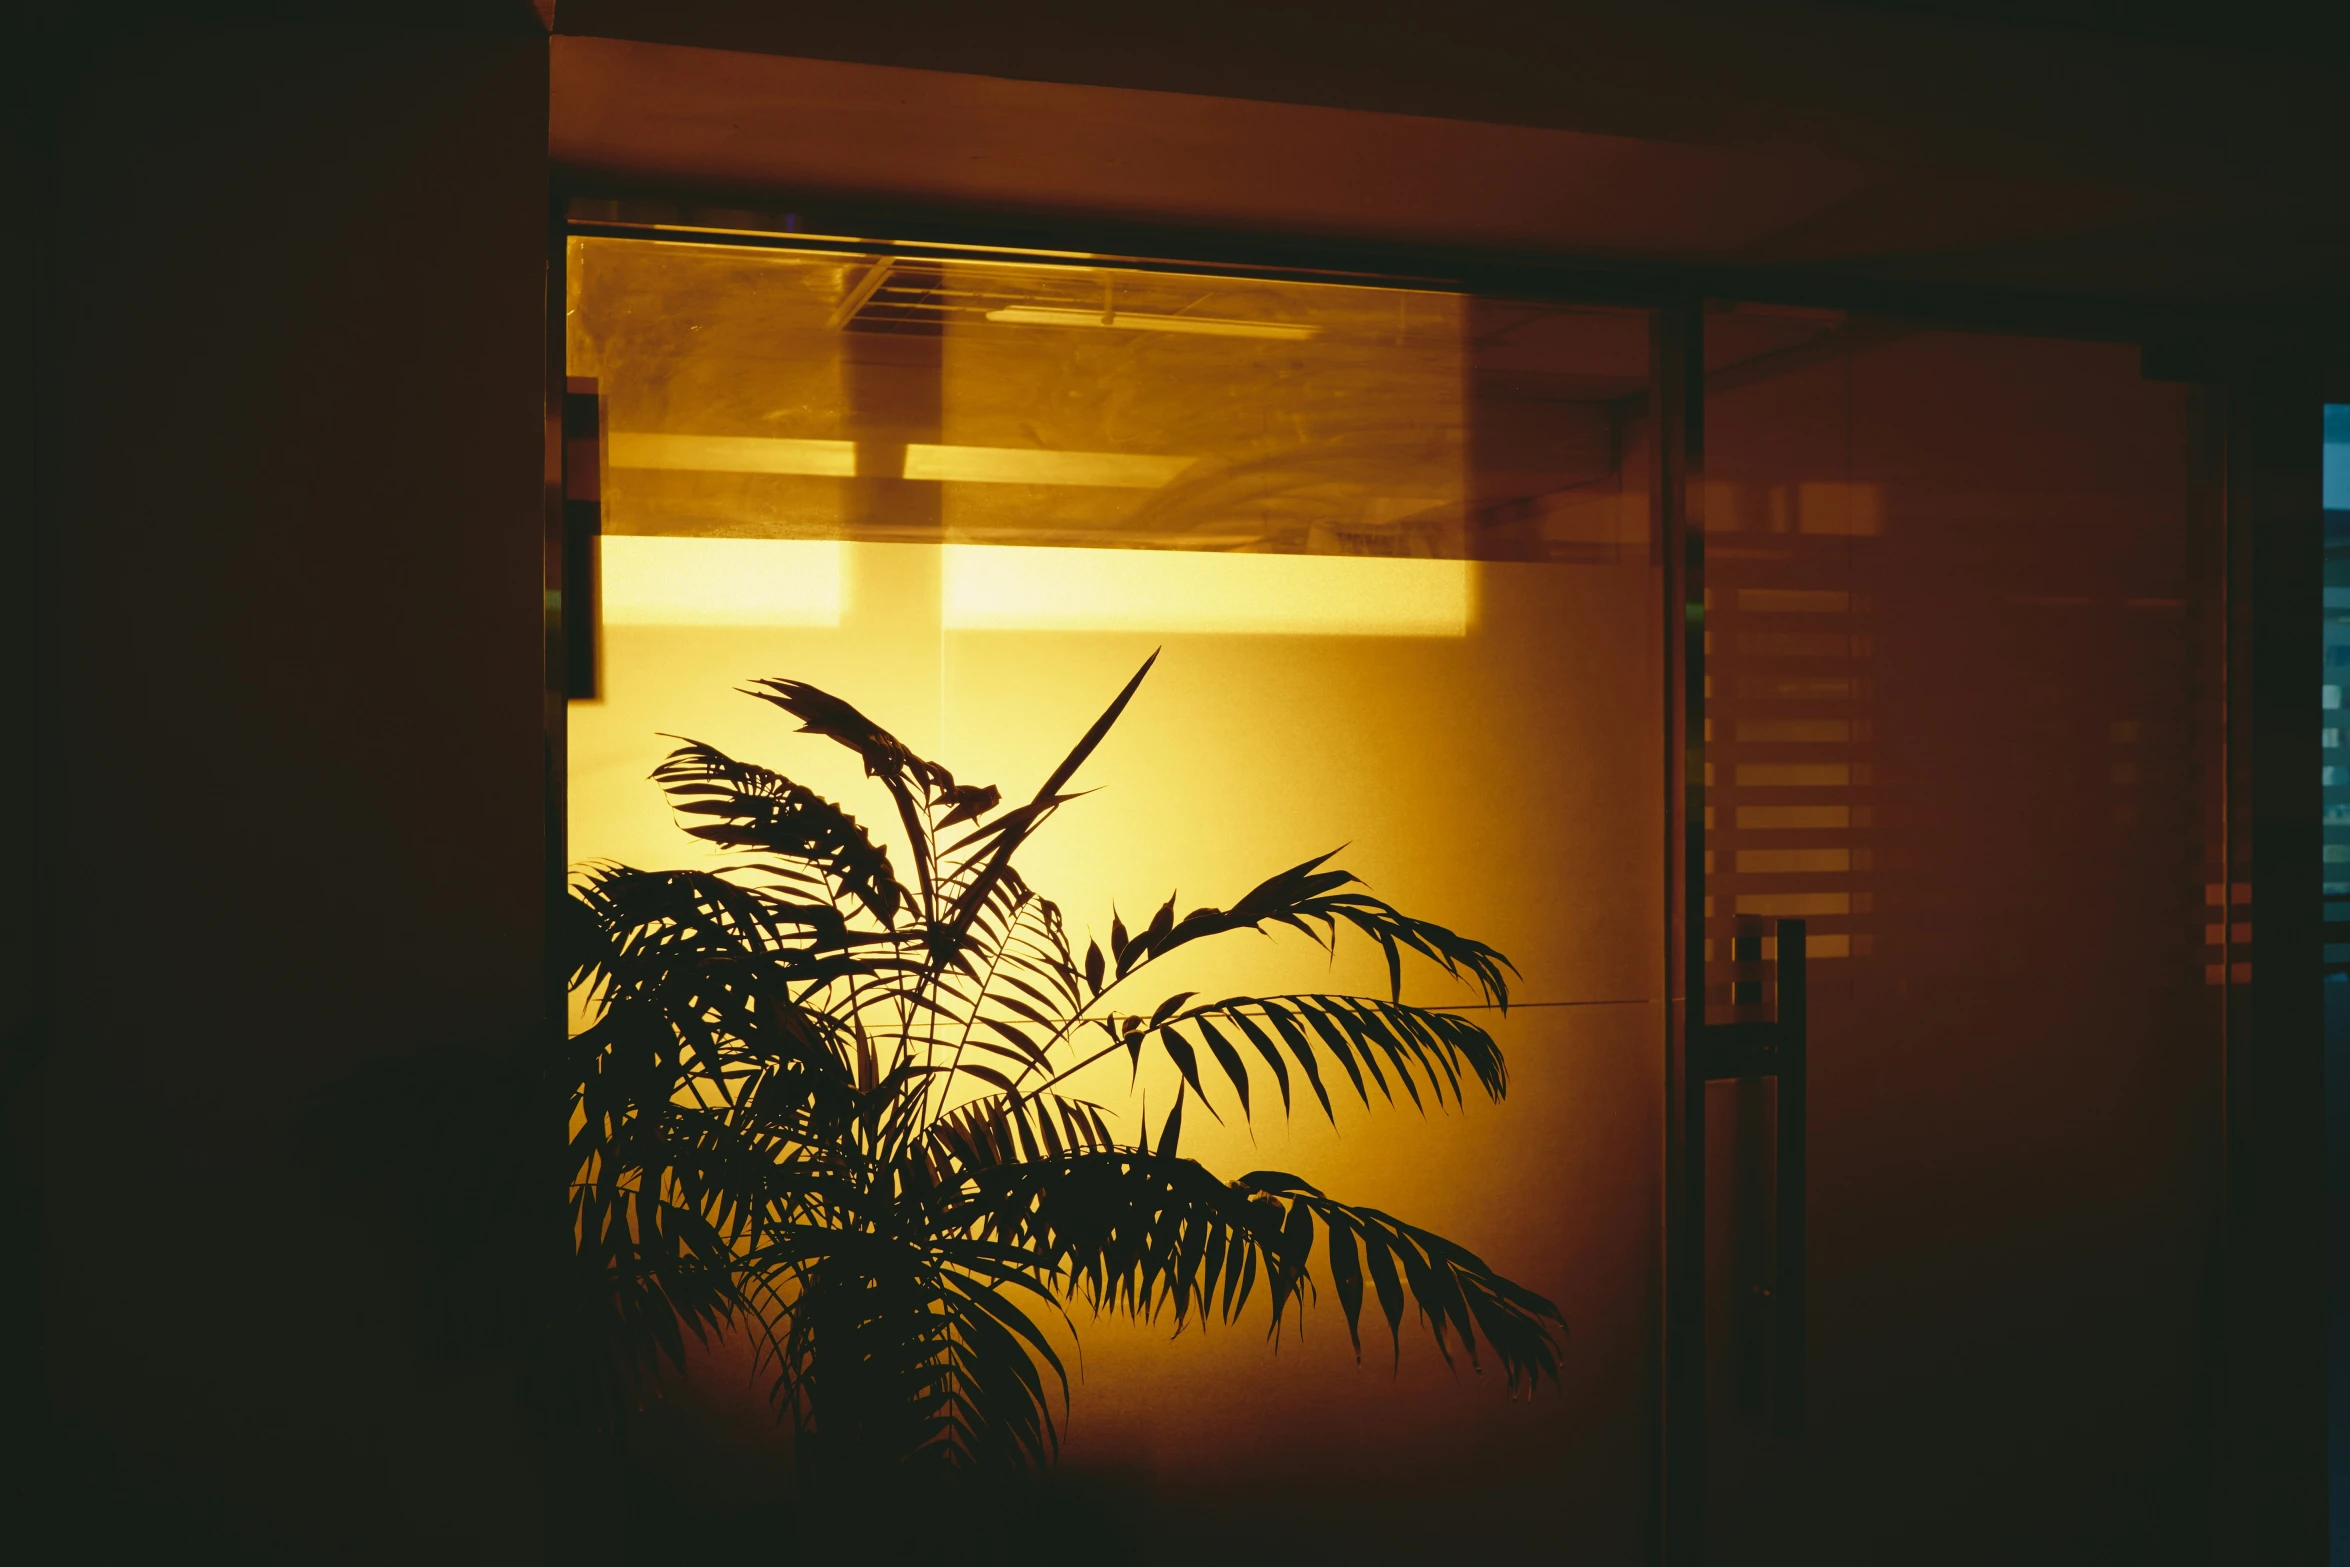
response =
{"points": [[795, 395], [1954, 722]]}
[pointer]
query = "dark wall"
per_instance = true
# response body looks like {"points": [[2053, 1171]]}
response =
{"points": [[2077, 158], [293, 768]]}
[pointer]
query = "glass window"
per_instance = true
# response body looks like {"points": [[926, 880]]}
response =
{"points": [[1394, 548]]}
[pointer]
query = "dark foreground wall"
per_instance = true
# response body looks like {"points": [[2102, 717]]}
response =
{"points": [[289, 801], [272, 631]]}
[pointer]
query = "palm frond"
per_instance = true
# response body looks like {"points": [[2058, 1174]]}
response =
{"points": [[993, 863], [1144, 1232], [894, 1351], [718, 963], [1008, 1127], [1366, 1036], [1453, 1290], [1306, 897], [914, 783], [815, 1104], [751, 807]]}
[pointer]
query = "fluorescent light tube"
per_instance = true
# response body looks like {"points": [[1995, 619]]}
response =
{"points": [[838, 459], [1125, 321], [1028, 465], [734, 454]]}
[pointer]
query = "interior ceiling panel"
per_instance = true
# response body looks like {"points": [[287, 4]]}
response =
{"points": [[1821, 139], [1944, 83], [746, 122]]}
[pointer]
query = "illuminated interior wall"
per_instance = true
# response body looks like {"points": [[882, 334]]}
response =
{"points": [[1960, 721], [1395, 547]]}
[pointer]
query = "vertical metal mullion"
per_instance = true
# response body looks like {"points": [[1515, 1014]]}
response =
{"points": [[2271, 1459], [2210, 570], [583, 527], [1791, 1182], [555, 652], [1678, 372], [579, 1467]]}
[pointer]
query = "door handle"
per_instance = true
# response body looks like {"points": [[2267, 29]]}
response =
{"points": [[1772, 1371]]}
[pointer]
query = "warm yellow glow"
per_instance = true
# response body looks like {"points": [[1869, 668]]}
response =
{"points": [[660, 580], [653, 580], [1007, 588], [1028, 465], [838, 459], [1127, 321], [1481, 734], [734, 454]]}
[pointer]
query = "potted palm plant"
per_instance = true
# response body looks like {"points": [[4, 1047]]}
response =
{"points": [[832, 1102]]}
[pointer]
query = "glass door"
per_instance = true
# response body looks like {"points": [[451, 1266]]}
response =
{"points": [[1964, 720], [1393, 551]]}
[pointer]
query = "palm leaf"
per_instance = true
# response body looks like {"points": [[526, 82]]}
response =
{"points": [[1141, 1233], [914, 784], [1305, 897], [751, 807], [1359, 1033], [994, 862]]}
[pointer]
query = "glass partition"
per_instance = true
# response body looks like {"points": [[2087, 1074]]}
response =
{"points": [[1393, 548], [1964, 719]]}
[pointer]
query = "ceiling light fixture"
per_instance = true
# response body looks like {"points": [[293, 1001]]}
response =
{"points": [[1129, 321], [633, 449]]}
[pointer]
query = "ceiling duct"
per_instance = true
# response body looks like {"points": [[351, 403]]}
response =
{"points": [[918, 297]]}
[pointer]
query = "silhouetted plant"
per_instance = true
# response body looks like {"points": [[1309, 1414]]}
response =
{"points": [[831, 1104]]}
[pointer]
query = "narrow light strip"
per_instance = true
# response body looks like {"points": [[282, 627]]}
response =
{"points": [[1028, 465], [1124, 321], [1012, 588], [734, 454], [838, 459]]}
